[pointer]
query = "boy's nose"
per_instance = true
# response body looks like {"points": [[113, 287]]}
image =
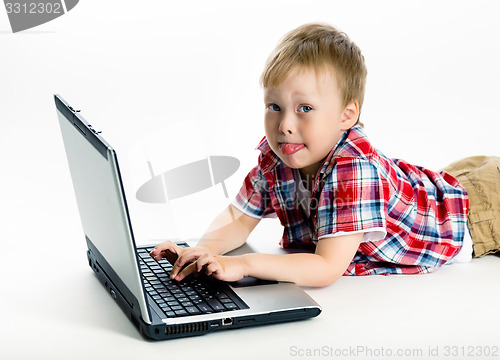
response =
{"points": [[286, 125]]}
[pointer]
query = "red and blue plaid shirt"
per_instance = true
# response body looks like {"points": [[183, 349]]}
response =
{"points": [[417, 217]]}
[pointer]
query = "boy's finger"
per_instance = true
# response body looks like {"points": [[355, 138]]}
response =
{"points": [[203, 261], [196, 256], [181, 262], [188, 255], [185, 272], [209, 263], [163, 247], [170, 256], [212, 268]]}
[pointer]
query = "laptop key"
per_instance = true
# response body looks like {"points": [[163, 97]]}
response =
{"points": [[204, 308], [193, 310], [194, 297], [216, 305], [181, 312], [170, 313]]}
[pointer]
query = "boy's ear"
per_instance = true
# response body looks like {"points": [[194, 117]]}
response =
{"points": [[350, 115]]}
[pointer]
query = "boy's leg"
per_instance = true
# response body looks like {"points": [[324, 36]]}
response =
{"points": [[480, 176]]}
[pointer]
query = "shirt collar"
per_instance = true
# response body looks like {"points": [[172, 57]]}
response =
{"points": [[268, 160]]}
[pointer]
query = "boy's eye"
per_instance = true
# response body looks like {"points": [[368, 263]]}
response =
{"points": [[274, 107], [305, 108]]}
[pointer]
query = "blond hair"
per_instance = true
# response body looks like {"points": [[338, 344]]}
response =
{"points": [[322, 48]]}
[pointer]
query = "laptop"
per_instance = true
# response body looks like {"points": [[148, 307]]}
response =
{"points": [[159, 307]]}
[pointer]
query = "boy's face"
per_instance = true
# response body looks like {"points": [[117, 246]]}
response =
{"points": [[304, 118]]}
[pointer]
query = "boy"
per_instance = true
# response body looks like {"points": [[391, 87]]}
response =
{"points": [[360, 212]]}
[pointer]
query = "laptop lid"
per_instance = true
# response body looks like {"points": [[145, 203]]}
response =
{"points": [[101, 203]]}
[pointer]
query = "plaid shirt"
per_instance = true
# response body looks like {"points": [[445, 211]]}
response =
{"points": [[418, 217]]}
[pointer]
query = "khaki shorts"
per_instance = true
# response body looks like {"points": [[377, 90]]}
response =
{"points": [[480, 176]]}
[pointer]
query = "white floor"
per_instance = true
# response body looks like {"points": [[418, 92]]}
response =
{"points": [[137, 72], [56, 309]]}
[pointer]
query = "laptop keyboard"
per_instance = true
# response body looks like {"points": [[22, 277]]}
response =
{"points": [[191, 296]]}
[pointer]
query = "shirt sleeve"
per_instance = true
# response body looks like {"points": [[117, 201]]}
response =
{"points": [[353, 201], [253, 198]]}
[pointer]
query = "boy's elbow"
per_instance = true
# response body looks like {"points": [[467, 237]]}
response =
{"points": [[328, 281], [323, 280]]}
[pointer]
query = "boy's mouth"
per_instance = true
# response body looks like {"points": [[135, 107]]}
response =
{"points": [[289, 149]]}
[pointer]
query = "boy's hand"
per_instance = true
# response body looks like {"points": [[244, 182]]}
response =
{"points": [[225, 268], [197, 259], [182, 259], [168, 250]]}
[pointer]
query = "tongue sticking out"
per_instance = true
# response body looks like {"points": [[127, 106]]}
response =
{"points": [[289, 149]]}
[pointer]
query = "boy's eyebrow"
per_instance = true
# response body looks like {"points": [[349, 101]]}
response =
{"points": [[269, 93]]}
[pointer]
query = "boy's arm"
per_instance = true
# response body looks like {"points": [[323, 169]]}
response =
{"points": [[229, 230], [329, 262], [332, 257]]}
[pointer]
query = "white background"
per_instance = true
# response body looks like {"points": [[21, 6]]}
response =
{"points": [[180, 79]]}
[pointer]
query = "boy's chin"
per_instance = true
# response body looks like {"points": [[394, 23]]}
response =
{"points": [[292, 164], [295, 161]]}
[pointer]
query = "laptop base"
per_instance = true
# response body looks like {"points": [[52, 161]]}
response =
{"points": [[161, 331]]}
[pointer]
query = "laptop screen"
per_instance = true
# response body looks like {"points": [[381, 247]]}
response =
{"points": [[100, 198]]}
